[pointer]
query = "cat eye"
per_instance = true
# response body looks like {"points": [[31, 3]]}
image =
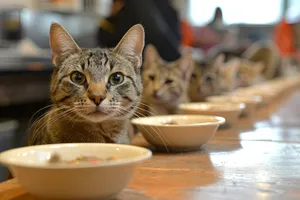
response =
{"points": [[194, 75], [78, 78], [151, 77], [116, 78], [169, 81]]}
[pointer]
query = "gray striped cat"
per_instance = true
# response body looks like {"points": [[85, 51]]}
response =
{"points": [[94, 92]]}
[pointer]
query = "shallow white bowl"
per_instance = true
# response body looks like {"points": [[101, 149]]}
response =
{"points": [[230, 111], [190, 131], [74, 181], [251, 102]]}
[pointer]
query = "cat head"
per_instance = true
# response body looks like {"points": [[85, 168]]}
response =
{"points": [[250, 73], [165, 82], [96, 84], [228, 73], [204, 81]]}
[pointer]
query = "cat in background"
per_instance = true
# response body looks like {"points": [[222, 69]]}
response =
{"points": [[94, 92], [289, 67], [250, 73], [267, 54], [205, 81], [213, 77], [165, 83], [229, 75]]}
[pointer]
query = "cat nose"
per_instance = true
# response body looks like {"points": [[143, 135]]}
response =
{"points": [[209, 79], [97, 99]]}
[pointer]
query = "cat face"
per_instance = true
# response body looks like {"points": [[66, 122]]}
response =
{"points": [[204, 81], [165, 83], [96, 84], [250, 73]]}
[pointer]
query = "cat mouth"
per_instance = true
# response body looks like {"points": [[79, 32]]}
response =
{"points": [[97, 113], [155, 97]]}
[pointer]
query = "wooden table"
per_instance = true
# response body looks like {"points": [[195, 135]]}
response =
{"points": [[248, 161]]}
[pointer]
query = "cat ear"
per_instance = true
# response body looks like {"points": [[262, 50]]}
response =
{"points": [[186, 65], [61, 43], [132, 44], [235, 65], [219, 61], [151, 54]]}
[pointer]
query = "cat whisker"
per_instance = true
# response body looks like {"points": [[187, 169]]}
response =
{"points": [[147, 106], [146, 111], [51, 121], [38, 112], [160, 135], [45, 115], [155, 129]]}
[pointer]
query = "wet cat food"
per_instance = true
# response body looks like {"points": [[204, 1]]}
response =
{"points": [[55, 158], [90, 159]]}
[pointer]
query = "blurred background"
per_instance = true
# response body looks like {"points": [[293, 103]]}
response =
{"points": [[25, 57]]}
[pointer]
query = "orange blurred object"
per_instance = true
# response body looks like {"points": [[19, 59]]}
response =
{"points": [[187, 35], [284, 38]]}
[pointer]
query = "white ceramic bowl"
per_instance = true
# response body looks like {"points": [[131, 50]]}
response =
{"points": [[63, 180], [230, 111], [251, 102], [190, 131]]}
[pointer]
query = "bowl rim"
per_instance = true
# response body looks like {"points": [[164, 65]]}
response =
{"points": [[119, 162], [219, 121], [240, 99], [235, 106]]}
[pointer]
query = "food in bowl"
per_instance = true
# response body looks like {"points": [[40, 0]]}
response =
{"points": [[90, 159], [56, 158]]}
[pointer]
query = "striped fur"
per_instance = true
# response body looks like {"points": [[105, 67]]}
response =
{"points": [[75, 116]]}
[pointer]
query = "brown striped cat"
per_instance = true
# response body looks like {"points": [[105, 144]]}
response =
{"points": [[165, 83], [205, 79], [94, 91]]}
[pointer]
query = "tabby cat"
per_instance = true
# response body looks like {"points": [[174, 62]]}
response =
{"points": [[94, 91], [266, 53], [165, 84], [228, 75], [205, 81], [250, 73]]}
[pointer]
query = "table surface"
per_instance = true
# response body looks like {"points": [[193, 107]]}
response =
{"points": [[257, 158]]}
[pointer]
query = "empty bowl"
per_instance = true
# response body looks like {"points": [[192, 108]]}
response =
{"points": [[178, 132], [74, 171], [251, 102], [230, 111]]}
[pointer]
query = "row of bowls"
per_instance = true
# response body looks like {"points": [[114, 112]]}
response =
{"points": [[43, 172], [198, 122]]}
